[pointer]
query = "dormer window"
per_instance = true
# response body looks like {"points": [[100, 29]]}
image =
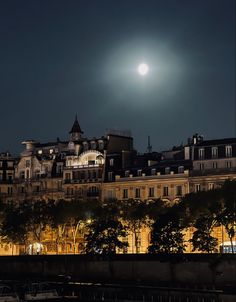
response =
{"points": [[167, 170], [139, 173], [201, 153], [93, 145], [100, 145], [214, 152], [228, 151], [85, 146], [181, 169], [153, 172], [127, 173]]}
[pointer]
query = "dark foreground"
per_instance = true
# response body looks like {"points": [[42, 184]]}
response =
{"points": [[72, 291], [129, 278]]}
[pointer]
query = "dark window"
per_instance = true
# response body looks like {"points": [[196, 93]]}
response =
{"points": [[125, 193], [151, 192], [179, 191], [165, 191], [137, 193]]}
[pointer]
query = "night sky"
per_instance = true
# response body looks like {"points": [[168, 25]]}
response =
{"points": [[59, 58]]}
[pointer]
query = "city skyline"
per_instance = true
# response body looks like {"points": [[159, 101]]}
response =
{"points": [[60, 59]]}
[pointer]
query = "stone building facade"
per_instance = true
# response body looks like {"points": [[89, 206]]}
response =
{"points": [[108, 167]]}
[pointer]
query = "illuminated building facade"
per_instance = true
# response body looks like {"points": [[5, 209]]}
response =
{"points": [[109, 168]]}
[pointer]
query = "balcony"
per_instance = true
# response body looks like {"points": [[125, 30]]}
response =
{"points": [[213, 171], [80, 181]]}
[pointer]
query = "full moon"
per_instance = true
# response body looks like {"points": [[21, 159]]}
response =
{"points": [[143, 69]]}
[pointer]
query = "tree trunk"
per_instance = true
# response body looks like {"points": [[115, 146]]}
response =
{"points": [[231, 243]]}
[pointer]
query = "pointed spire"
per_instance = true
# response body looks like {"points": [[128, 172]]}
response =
{"points": [[76, 127], [75, 131]]}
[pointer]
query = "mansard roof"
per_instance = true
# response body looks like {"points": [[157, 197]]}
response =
{"points": [[76, 127], [223, 141]]}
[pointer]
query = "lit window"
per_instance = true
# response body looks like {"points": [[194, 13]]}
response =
{"points": [[51, 151], [127, 173], [151, 192], [137, 193], [111, 162], [201, 153], [165, 191], [67, 176], [210, 186], [10, 164], [40, 152], [125, 193], [178, 190], [214, 152], [228, 151]]}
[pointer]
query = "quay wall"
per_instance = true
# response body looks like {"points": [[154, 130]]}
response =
{"points": [[212, 269]]}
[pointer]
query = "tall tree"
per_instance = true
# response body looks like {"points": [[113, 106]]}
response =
{"points": [[134, 215], [13, 224], [228, 215], [166, 234], [202, 239], [106, 232]]}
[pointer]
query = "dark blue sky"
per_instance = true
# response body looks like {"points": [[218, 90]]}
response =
{"points": [[59, 58]]}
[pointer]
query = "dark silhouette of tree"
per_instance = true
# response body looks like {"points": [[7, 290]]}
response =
{"points": [[105, 232], [227, 217], [13, 224], [202, 239], [166, 234], [37, 217]]}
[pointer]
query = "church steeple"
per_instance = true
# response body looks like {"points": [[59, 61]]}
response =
{"points": [[75, 132]]}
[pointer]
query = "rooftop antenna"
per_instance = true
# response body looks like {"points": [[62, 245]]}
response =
{"points": [[149, 147]]}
